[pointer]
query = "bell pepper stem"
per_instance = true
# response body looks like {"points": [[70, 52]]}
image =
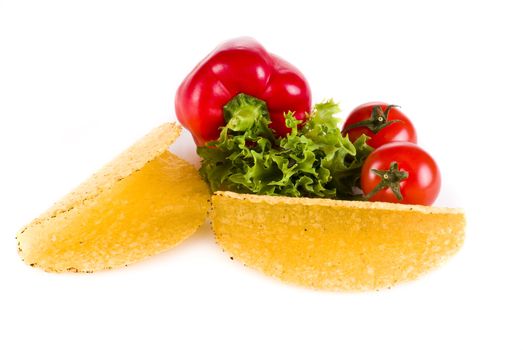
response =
{"points": [[245, 114], [242, 110]]}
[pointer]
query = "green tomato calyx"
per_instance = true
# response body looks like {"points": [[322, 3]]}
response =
{"points": [[378, 120], [390, 178]]}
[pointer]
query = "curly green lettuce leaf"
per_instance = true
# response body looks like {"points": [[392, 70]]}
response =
{"points": [[312, 161]]}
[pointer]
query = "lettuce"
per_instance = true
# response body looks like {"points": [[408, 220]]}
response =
{"points": [[312, 161]]}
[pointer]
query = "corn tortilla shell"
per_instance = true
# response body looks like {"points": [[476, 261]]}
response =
{"points": [[144, 202], [335, 245]]}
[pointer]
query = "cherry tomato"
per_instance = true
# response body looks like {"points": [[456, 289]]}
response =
{"points": [[400, 172], [381, 122]]}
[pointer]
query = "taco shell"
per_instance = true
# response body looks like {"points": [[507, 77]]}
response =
{"points": [[145, 201], [332, 244]]}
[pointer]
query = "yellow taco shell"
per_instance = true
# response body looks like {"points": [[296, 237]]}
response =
{"points": [[332, 244], [145, 201]]}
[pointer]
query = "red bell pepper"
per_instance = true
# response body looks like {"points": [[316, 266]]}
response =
{"points": [[240, 66]]}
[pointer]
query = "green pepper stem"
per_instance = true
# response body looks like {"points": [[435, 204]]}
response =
{"points": [[243, 110], [247, 115], [390, 178]]}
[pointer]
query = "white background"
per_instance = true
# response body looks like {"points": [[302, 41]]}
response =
{"points": [[82, 80]]}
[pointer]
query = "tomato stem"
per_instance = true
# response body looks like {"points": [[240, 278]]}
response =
{"points": [[390, 178], [378, 120]]}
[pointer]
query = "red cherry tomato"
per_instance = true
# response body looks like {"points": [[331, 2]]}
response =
{"points": [[381, 122], [400, 172]]}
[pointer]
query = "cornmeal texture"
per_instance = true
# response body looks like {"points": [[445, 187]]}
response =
{"points": [[144, 202], [333, 244]]}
